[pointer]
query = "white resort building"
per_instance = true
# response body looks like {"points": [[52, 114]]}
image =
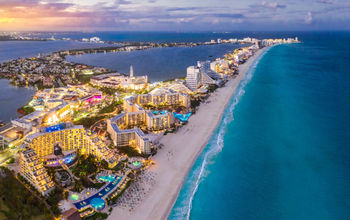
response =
{"points": [[117, 80], [202, 75]]}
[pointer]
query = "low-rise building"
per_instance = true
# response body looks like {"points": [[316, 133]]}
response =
{"points": [[164, 96]]}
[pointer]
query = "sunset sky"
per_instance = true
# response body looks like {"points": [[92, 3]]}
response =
{"points": [[175, 15]]}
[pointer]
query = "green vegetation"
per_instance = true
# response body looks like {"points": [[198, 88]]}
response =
{"points": [[112, 91], [77, 187], [25, 110], [104, 165], [142, 91], [84, 78], [129, 151], [110, 108], [40, 85], [53, 199], [212, 88], [115, 199], [10, 161], [87, 122], [108, 91], [86, 182], [195, 103], [97, 216], [17, 202], [86, 165], [66, 193], [173, 79]]}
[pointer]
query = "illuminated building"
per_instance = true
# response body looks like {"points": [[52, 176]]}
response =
{"points": [[208, 77], [28, 121], [52, 103], [179, 86], [32, 169], [9, 134], [58, 146], [117, 80], [202, 75], [128, 137], [119, 126], [65, 111], [101, 151], [163, 96], [193, 78], [219, 65], [136, 115], [72, 140], [91, 99]]}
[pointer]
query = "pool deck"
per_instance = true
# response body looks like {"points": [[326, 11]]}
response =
{"points": [[108, 188]]}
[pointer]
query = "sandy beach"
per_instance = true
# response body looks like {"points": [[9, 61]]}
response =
{"points": [[180, 151]]}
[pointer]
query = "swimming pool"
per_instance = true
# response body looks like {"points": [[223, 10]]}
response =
{"points": [[107, 178], [182, 117], [160, 112], [97, 203], [74, 197], [136, 163], [106, 189]]}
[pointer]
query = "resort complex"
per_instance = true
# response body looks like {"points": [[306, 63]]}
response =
{"points": [[72, 140], [89, 139], [117, 80]]}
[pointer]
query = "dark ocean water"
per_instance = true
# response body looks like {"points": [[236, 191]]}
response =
{"points": [[167, 36], [10, 50], [12, 98], [157, 63], [282, 150]]}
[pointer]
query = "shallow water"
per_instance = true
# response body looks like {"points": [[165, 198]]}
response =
{"points": [[283, 151]]}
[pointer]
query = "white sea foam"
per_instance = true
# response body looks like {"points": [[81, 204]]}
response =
{"points": [[213, 149]]}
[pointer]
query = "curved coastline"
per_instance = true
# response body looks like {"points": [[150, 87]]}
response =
{"points": [[12, 98], [182, 149], [182, 206]]}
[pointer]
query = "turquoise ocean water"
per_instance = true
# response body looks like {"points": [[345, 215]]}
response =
{"points": [[282, 150]]}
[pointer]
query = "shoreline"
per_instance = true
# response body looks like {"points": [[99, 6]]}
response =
{"points": [[182, 149], [14, 95]]}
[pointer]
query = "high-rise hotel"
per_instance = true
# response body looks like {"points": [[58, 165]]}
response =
{"points": [[41, 150], [32, 169]]}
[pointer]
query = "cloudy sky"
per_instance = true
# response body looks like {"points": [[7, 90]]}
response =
{"points": [[174, 15]]}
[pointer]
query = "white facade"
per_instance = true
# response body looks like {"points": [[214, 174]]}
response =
{"points": [[193, 78]]}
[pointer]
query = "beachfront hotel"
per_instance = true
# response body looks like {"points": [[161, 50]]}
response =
{"points": [[136, 115], [202, 75], [120, 127], [128, 137], [193, 78], [32, 169], [56, 146], [72, 140], [164, 96]]}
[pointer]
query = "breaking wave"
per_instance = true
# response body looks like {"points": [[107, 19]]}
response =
{"points": [[213, 148]]}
